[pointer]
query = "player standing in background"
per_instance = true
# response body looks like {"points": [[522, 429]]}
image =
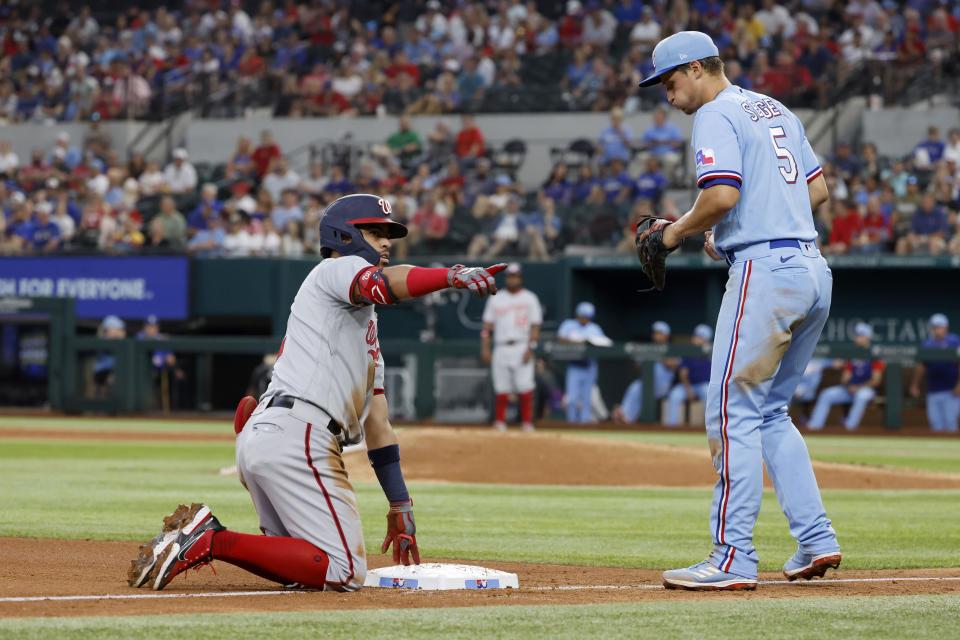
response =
{"points": [[943, 378], [693, 377], [664, 371], [760, 182], [858, 385], [326, 392], [581, 374], [511, 321]]}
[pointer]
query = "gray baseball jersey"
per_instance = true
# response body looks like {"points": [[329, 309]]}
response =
{"points": [[512, 315], [289, 458]]}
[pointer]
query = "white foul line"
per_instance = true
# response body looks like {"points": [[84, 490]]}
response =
{"points": [[759, 582], [606, 587]]}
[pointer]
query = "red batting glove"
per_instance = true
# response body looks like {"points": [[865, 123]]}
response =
{"points": [[479, 281], [401, 533]]}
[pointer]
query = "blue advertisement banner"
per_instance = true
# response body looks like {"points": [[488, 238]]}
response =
{"points": [[130, 287]]}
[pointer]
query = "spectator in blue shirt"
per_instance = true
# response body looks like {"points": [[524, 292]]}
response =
{"points": [[929, 229], [542, 229], [581, 374], [208, 242], [930, 151], [556, 187], [663, 140], [577, 70], [617, 183], [208, 207], [651, 184], [846, 164], [616, 139], [736, 74], [627, 12], [64, 153], [585, 183], [943, 378], [288, 209], [420, 50], [41, 234], [470, 82], [662, 137], [339, 184], [693, 375]]}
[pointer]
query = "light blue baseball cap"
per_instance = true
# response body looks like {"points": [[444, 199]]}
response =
{"points": [[113, 322], [863, 329], [661, 327], [678, 49], [586, 309], [703, 331], [939, 320]]}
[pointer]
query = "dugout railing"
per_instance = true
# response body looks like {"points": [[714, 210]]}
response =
{"points": [[133, 389]]}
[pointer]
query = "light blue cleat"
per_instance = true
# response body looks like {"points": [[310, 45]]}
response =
{"points": [[804, 566], [704, 576]]}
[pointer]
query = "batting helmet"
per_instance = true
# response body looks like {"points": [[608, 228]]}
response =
{"points": [[339, 225]]}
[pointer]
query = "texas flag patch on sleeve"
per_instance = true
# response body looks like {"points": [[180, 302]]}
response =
{"points": [[704, 157]]}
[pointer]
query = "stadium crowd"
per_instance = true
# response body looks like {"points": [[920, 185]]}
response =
{"points": [[451, 189], [60, 62]]}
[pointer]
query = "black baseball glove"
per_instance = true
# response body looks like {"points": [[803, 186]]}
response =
{"points": [[651, 251]]}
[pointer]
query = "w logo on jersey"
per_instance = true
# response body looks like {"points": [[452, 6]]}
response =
{"points": [[704, 157]]}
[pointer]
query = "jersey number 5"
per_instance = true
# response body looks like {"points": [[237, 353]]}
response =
{"points": [[790, 172]]}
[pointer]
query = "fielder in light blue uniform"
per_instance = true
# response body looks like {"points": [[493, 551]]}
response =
{"points": [[943, 379], [694, 376], [663, 373], [760, 181], [581, 374]]}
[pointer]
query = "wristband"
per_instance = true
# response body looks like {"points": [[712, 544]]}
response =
{"points": [[386, 464], [423, 280]]}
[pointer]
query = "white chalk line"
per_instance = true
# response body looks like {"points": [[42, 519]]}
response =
{"points": [[595, 587]]}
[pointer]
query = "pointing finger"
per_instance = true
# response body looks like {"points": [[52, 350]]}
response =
{"points": [[497, 268]]}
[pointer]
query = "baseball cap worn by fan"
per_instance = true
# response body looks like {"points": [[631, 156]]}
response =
{"points": [[863, 329], [939, 320], [113, 322], [703, 331], [586, 310], [661, 327], [678, 49]]}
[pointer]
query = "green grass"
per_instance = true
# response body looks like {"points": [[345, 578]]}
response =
{"points": [[121, 490], [926, 454], [880, 618], [108, 423]]}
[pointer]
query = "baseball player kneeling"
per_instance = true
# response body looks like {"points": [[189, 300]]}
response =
{"points": [[326, 393]]}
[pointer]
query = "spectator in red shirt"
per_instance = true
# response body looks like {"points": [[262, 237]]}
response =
{"points": [[773, 81], [470, 144], [846, 225], [571, 27], [431, 222], [267, 151], [402, 65], [873, 231]]}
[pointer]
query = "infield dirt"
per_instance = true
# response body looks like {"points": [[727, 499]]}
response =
{"points": [[43, 567]]}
